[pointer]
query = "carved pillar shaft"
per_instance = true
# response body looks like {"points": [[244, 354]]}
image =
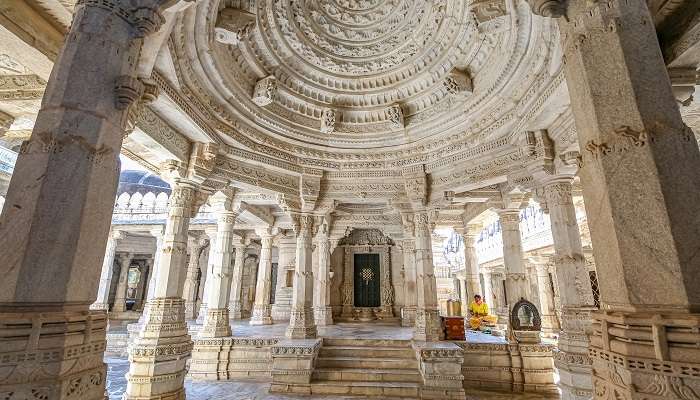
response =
{"points": [[262, 310], [516, 278], [639, 170], [489, 297], [146, 272], [323, 314], [550, 324], [106, 276], [164, 331], [471, 263], [408, 315], [387, 289], [348, 288], [301, 322], [120, 295], [427, 327], [202, 314], [189, 291], [63, 187], [235, 304], [216, 322]]}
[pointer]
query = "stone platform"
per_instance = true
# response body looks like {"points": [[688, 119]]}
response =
{"points": [[367, 359]]}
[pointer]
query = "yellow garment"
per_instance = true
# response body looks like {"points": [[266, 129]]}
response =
{"points": [[478, 310], [480, 316]]}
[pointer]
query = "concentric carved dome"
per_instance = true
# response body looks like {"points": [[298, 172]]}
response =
{"points": [[342, 75]]}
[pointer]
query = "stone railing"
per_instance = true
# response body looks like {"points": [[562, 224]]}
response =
{"points": [[150, 209]]}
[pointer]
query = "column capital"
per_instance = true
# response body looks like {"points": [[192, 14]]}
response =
{"points": [[509, 217]]}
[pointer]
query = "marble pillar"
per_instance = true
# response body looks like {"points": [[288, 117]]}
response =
{"points": [[471, 262], [157, 233], [286, 248], [124, 260], [141, 289], [106, 276], [190, 292], [301, 321], [59, 204], [208, 274], [463, 297], [160, 351], [262, 310], [235, 304], [575, 293], [427, 324], [550, 323], [516, 278], [216, 322], [639, 172], [488, 291], [408, 313], [323, 313]]}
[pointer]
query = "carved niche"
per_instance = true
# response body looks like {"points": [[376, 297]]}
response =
{"points": [[265, 91], [366, 237]]}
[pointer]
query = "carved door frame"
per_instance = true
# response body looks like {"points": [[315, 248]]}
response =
{"points": [[386, 309]]}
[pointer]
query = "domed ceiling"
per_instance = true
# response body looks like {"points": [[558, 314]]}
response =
{"points": [[377, 75]]}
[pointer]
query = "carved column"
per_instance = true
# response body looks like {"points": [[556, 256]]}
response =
{"points": [[488, 291], [516, 278], [323, 314], [301, 322], [427, 326], [216, 323], [348, 288], [550, 323], [575, 293], [102, 302], [639, 170], [464, 297], [471, 262], [55, 227], [387, 289], [191, 282], [162, 347], [262, 310], [408, 314], [124, 260], [210, 232], [146, 272], [235, 304]]}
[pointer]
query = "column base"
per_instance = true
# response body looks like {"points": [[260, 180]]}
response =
{"points": [[301, 324], [323, 316], [190, 310], [159, 353], [99, 306], [38, 360], [408, 316], [202, 314], [262, 315], [216, 324], [119, 306], [427, 328], [235, 310]]}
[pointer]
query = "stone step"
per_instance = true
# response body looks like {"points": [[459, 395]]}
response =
{"points": [[366, 375], [378, 389], [367, 352], [361, 363], [366, 342]]}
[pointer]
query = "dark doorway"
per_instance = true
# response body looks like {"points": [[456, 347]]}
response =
{"points": [[367, 280]]}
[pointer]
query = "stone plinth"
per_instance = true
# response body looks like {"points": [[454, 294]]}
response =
{"points": [[509, 368], [231, 358], [441, 370], [292, 365]]}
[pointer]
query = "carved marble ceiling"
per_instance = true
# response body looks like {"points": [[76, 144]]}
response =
{"points": [[385, 75]]}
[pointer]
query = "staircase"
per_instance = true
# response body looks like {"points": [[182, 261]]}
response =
{"points": [[367, 367]]}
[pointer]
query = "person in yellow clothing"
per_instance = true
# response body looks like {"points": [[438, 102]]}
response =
{"points": [[479, 314]]}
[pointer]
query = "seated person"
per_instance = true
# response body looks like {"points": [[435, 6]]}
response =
{"points": [[479, 314]]}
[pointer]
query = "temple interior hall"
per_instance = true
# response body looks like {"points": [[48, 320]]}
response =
{"points": [[349, 199]]}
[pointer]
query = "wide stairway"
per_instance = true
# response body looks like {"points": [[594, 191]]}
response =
{"points": [[367, 367]]}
